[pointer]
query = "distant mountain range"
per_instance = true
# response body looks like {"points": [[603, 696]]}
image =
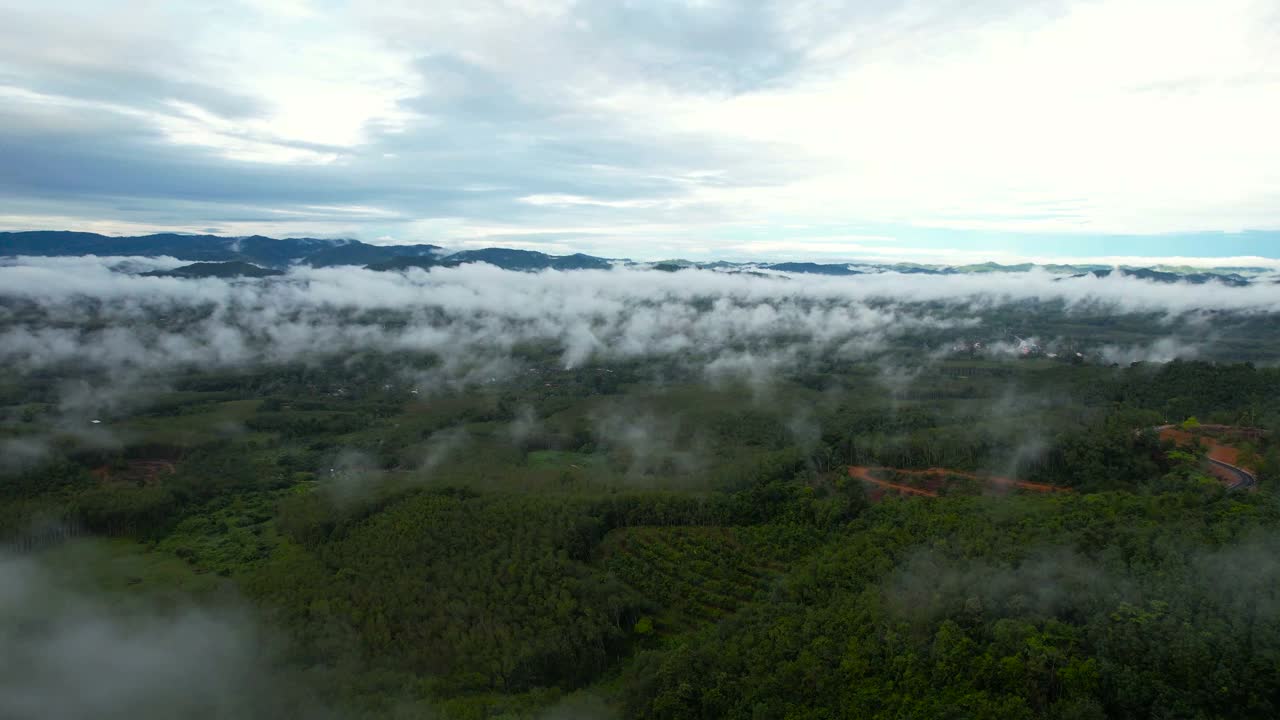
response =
{"points": [[259, 256], [256, 249], [1199, 277]]}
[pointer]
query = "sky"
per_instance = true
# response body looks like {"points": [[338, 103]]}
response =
{"points": [[934, 130]]}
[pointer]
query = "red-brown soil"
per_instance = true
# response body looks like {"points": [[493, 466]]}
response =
{"points": [[1218, 451], [146, 471], [934, 480], [1209, 438], [864, 474]]}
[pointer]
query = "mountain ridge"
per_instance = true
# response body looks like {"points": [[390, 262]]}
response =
{"points": [[280, 253], [253, 249]]}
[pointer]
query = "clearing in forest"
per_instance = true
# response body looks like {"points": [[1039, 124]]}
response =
{"points": [[145, 472], [931, 482], [1220, 442]]}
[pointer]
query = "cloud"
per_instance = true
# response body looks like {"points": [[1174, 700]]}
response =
{"points": [[21, 453], [646, 443], [721, 325], [128, 660], [640, 128], [1160, 351], [118, 338], [467, 314]]}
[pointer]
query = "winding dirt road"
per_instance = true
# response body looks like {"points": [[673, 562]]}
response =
{"points": [[1244, 479], [1222, 458], [864, 474]]}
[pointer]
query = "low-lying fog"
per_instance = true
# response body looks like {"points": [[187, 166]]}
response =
{"points": [[85, 310]]}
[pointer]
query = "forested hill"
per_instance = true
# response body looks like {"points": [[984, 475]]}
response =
{"points": [[318, 252], [255, 249], [505, 258], [1198, 278], [229, 269]]}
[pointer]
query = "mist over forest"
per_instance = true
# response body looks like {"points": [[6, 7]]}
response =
{"points": [[621, 360], [659, 492], [475, 315]]}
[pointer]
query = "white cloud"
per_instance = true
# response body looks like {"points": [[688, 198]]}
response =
{"points": [[559, 200], [842, 249], [475, 314], [317, 82], [1124, 116], [192, 125], [646, 127]]}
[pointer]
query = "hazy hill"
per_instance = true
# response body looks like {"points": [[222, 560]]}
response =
{"points": [[528, 260], [505, 258], [992, 267], [230, 269], [256, 249], [814, 268], [207, 248], [316, 252], [358, 253], [404, 263], [1199, 278]]}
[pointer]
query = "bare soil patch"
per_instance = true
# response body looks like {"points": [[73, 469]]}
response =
{"points": [[930, 482]]}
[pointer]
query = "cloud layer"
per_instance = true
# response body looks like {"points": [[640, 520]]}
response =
{"points": [[80, 311]]}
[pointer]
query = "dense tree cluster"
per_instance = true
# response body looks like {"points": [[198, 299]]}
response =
{"points": [[1094, 606]]}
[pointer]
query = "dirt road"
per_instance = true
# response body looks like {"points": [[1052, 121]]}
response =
{"points": [[1223, 459], [937, 476]]}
